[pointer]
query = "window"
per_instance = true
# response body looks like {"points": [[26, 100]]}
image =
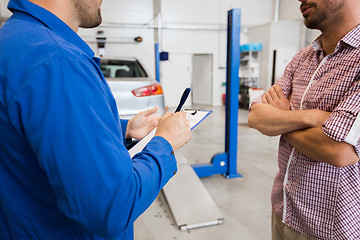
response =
{"points": [[122, 69]]}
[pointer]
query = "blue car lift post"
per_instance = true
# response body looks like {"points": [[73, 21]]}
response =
{"points": [[157, 62], [225, 163]]}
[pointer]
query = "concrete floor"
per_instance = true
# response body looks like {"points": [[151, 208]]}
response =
{"points": [[244, 202]]}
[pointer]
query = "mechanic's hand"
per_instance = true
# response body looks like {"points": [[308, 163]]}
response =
{"points": [[276, 98], [174, 127], [143, 123]]}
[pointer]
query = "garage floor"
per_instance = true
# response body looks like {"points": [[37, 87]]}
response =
{"points": [[244, 202]]}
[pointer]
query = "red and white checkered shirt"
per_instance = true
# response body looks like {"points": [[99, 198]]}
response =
{"points": [[321, 200]]}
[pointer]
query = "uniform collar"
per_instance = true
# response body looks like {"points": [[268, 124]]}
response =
{"points": [[51, 21]]}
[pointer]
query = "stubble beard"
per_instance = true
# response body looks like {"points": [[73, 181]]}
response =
{"points": [[316, 21], [89, 17]]}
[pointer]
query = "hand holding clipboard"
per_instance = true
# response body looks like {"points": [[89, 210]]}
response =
{"points": [[195, 117]]}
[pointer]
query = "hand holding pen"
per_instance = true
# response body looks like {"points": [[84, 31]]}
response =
{"points": [[184, 96], [174, 127]]}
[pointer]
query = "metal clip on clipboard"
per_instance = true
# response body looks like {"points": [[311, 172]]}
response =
{"points": [[194, 111]]}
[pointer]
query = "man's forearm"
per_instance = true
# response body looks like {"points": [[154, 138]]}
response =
{"points": [[273, 121], [313, 143]]}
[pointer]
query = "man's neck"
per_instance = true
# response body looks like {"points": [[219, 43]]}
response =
{"points": [[330, 39], [334, 31], [62, 9]]}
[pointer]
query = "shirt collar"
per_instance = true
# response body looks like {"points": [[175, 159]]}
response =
{"points": [[352, 39], [317, 44], [52, 22]]}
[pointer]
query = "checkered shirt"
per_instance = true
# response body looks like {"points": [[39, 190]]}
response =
{"points": [[321, 200]]}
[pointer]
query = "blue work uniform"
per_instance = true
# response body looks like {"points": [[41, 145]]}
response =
{"points": [[64, 170]]}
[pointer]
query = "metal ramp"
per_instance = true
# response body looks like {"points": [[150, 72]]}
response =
{"points": [[189, 201]]}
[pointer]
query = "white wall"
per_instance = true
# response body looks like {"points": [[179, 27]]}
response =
{"points": [[287, 37], [290, 10], [183, 44], [123, 14], [214, 11], [121, 44], [180, 43]]}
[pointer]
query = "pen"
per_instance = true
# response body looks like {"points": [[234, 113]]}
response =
{"points": [[183, 99]]}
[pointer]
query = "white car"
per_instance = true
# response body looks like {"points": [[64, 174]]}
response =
{"points": [[133, 89]]}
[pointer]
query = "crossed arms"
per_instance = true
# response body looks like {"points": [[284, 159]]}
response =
{"points": [[301, 128]]}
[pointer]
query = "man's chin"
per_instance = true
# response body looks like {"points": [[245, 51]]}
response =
{"points": [[309, 24], [92, 24]]}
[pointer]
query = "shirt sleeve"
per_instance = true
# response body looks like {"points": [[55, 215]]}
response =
{"points": [[64, 109], [343, 125]]}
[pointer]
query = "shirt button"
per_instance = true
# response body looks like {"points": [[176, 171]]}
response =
{"points": [[172, 152]]}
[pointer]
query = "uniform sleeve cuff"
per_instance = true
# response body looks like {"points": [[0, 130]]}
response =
{"points": [[124, 123], [161, 148]]}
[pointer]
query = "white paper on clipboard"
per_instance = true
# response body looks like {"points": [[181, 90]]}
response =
{"points": [[195, 117]]}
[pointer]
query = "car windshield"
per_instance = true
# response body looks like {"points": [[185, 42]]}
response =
{"points": [[112, 68]]}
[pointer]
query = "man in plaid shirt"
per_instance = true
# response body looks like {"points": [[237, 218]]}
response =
{"points": [[315, 108]]}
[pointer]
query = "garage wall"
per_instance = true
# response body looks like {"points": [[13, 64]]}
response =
{"points": [[289, 10], [255, 12], [122, 22], [184, 34], [191, 27], [178, 16], [183, 44]]}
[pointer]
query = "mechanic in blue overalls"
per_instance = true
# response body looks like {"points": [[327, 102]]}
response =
{"points": [[64, 167]]}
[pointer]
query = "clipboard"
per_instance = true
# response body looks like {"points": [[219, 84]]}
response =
{"points": [[195, 117]]}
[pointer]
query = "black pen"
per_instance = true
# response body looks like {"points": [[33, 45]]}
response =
{"points": [[183, 99]]}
